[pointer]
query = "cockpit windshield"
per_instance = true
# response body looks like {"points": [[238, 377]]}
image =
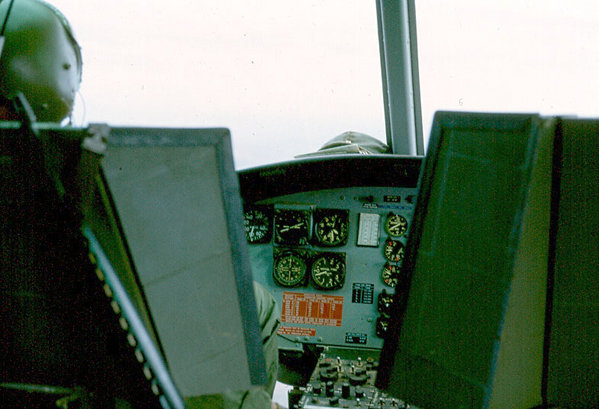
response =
{"points": [[288, 76]]}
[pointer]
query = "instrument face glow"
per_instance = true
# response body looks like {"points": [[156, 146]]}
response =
{"points": [[292, 227], [328, 271], [396, 225], [331, 227], [289, 269], [257, 224], [390, 274], [394, 250]]}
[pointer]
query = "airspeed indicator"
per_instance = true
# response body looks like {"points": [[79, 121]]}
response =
{"points": [[257, 224]]}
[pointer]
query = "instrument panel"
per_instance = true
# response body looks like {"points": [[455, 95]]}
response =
{"points": [[327, 238]]}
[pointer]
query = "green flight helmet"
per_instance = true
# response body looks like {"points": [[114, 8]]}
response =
{"points": [[40, 58]]}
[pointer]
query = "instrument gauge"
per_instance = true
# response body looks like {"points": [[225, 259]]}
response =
{"points": [[331, 227], [328, 271], [289, 269], [390, 274], [257, 222], [394, 250], [292, 227], [396, 225]]}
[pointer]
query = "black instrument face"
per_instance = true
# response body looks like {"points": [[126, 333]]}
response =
{"points": [[331, 227], [289, 269], [394, 250], [396, 225], [328, 271], [257, 224], [390, 274], [292, 227]]}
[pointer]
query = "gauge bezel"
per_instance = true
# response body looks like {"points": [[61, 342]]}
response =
{"points": [[389, 250], [267, 213], [340, 219], [403, 224], [295, 255], [337, 257], [390, 274], [286, 219]]}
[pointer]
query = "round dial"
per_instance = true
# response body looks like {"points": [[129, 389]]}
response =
{"points": [[256, 222], [328, 271], [331, 228], [289, 269], [394, 250], [292, 227], [390, 274], [396, 225]]}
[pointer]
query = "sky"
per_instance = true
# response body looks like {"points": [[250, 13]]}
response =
{"points": [[285, 77]]}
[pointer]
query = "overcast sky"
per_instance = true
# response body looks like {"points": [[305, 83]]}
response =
{"points": [[286, 76]]}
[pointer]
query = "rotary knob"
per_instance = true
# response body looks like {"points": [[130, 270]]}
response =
{"points": [[329, 374], [359, 377]]}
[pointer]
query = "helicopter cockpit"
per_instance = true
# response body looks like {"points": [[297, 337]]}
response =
{"points": [[432, 255]]}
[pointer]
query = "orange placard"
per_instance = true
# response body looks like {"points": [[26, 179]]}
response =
{"points": [[297, 331], [312, 309]]}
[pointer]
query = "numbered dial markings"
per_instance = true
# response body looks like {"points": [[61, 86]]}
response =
{"points": [[328, 271], [394, 250], [257, 224], [289, 269], [396, 225], [292, 227], [390, 274], [331, 227]]}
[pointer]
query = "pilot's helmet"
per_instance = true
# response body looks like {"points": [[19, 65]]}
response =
{"points": [[350, 142], [40, 58]]}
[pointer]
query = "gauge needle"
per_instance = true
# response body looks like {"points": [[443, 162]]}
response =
{"points": [[295, 226]]}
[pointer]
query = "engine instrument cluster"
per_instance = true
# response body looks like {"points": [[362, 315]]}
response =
{"points": [[327, 238]]}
